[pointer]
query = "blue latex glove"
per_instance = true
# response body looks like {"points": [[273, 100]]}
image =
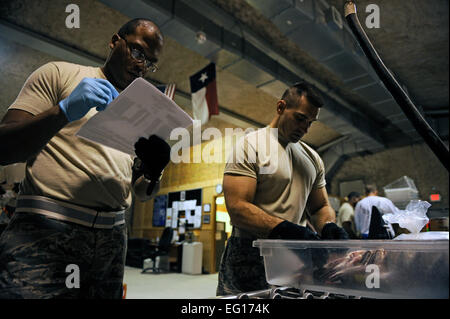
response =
{"points": [[89, 93]]}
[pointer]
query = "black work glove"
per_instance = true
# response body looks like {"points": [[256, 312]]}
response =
{"points": [[333, 231], [288, 230], [154, 154]]}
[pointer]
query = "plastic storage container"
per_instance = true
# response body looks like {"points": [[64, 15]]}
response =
{"points": [[401, 191], [366, 268]]}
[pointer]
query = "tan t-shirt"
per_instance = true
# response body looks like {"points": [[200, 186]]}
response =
{"points": [[346, 213], [70, 168], [285, 172]]}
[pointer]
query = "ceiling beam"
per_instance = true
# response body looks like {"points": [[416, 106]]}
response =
{"points": [[437, 112], [332, 143], [43, 43]]}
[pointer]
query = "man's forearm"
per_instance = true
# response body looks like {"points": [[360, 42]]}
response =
{"points": [[322, 216], [25, 135], [251, 218]]}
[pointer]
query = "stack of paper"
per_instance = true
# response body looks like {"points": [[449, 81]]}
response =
{"points": [[139, 111]]}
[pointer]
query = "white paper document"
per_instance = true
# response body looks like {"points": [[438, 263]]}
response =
{"points": [[198, 217], [139, 111], [189, 204], [175, 214], [182, 227], [194, 216], [168, 217]]}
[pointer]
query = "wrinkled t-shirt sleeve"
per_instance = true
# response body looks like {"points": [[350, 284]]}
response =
{"points": [[242, 161], [40, 91], [320, 179]]}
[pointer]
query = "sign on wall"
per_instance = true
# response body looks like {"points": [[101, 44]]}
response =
{"points": [[185, 207], [159, 211]]}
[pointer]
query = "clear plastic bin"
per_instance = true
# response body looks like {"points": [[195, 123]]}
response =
{"points": [[401, 191], [366, 268]]}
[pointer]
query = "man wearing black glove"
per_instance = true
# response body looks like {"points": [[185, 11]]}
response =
{"points": [[273, 179], [153, 154]]}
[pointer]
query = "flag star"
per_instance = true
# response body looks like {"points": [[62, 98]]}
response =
{"points": [[203, 77]]}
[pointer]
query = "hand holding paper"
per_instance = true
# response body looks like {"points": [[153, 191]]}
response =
{"points": [[141, 110], [88, 93]]}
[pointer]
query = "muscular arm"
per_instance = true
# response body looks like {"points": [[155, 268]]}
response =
{"points": [[320, 209], [22, 134], [239, 192]]}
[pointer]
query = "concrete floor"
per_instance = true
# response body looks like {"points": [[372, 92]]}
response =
{"points": [[168, 285]]}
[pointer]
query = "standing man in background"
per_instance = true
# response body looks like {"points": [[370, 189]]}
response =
{"points": [[70, 209], [346, 214], [363, 210], [270, 203]]}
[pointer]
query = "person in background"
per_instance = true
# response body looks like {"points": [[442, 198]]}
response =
{"points": [[346, 214], [71, 204], [363, 210]]}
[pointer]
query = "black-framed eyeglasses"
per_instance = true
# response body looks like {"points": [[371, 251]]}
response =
{"points": [[139, 56]]}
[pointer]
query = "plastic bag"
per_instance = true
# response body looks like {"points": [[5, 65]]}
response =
{"points": [[413, 218]]}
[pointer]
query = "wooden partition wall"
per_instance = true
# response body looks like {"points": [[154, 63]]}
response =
{"points": [[179, 177]]}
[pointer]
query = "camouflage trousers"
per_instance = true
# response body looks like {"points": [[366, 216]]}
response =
{"points": [[241, 268], [39, 257]]}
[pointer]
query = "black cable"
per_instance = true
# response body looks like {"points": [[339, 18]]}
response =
{"points": [[400, 96]]}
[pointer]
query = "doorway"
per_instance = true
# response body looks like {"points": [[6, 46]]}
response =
{"points": [[223, 227]]}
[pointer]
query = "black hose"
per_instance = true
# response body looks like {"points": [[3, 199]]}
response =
{"points": [[420, 124]]}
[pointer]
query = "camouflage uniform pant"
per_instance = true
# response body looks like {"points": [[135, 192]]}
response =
{"points": [[35, 252], [241, 268]]}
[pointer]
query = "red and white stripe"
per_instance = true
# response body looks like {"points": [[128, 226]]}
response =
{"points": [[170, 90]]}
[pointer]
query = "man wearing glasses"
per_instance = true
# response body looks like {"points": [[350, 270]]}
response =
{"points": [[67, 238]]}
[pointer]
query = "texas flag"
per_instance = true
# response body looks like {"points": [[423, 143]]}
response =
{"points": [[167, 89], [204, 93]]}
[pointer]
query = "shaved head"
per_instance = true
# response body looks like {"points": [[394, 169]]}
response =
{"points": [[131, 26]]}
